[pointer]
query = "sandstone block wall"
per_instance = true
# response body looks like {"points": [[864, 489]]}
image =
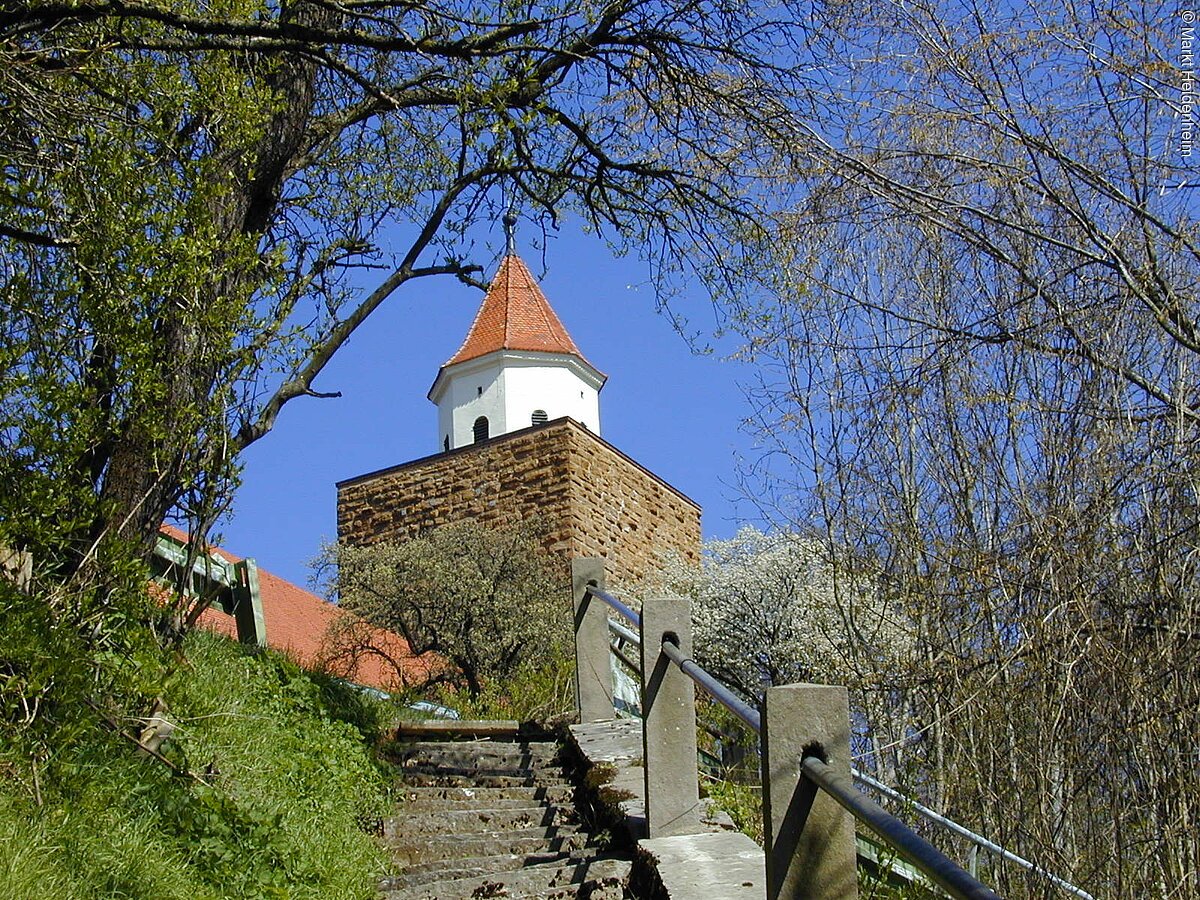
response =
{"points": [[591, 499]]}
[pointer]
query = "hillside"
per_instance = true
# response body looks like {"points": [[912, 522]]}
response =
{"points": [[285, 798]]}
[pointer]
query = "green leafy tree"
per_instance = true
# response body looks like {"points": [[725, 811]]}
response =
{"points": [[187, 191], [485, 601], [192, 194]]}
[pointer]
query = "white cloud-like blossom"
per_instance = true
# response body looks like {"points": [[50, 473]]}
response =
{"points": [[778, 608]]}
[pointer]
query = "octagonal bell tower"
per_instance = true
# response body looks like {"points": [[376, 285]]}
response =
{"points": [[517, 367], [519, 424]]}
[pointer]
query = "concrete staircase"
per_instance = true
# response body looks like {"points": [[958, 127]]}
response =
{"points": [[494, 815]]}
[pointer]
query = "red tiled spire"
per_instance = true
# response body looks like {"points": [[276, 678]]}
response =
{"points": [[515, 315]]}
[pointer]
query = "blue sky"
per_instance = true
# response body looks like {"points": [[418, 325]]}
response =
{"points": [[674, 411]]}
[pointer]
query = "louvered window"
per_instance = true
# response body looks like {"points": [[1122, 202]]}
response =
{"points": [[481, 429], [539, 417]]}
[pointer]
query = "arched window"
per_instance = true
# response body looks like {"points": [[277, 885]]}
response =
{"points": [[446, 444], [539, 417], [481, 429]]}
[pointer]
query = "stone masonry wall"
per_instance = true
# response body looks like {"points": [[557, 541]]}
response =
{"points": [[592, 499]]}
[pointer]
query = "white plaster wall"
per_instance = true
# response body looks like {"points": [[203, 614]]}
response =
{"points": [[513, 386], [553, 387], [461, 403]]}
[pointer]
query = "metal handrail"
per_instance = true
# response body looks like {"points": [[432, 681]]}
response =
{"points": [[728, 698], [977, 839], [625, 634], [616, 604], [937, 866], [961, 884], [942, 870]]}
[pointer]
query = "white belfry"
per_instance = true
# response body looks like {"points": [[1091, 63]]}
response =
{"points": [[517, 367]]}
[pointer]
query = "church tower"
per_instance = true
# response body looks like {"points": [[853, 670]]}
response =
{"points": [[517, 367], [519, 434]]}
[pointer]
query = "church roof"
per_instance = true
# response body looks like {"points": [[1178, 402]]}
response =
{"points": [[515, 315]]}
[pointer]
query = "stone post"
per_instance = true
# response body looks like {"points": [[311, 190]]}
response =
{"points": [[810, 847], [668, 722], [17, 566], [593, 668]]}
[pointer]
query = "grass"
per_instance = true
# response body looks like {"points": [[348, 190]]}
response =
{"points": [[286, 804], [539, 691]]}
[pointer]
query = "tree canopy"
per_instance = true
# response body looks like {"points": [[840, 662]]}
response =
{"points": [[978, 368], [486, 601], [189, 190], [194, 194], [973, 232]]}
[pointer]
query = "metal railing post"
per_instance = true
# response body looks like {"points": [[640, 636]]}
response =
{"points": [[669, 721], [593, 670], [809, 837]]}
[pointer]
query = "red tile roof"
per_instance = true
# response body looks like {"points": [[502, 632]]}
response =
{"points": [[515, 315], [298, 623]]}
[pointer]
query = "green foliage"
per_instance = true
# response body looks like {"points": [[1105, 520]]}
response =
{"points": [[743, 802], [60, 653], [871, 888], [539, 690], [285, 806], [190, 192]]}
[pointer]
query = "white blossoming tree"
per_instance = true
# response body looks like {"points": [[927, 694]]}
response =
{"points": [[778, 608]]}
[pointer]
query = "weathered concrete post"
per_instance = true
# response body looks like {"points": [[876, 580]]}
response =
{"points": [[16, 566], [593, 669], [668, 721], [809, 837]]}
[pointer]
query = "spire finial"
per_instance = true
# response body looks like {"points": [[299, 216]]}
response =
{"points": [[510, 232]]}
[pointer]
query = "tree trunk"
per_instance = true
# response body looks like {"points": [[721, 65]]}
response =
{"points": [[170, 438]]}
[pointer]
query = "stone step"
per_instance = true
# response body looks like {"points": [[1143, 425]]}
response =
{"points": [[457, 821], [475, 866], [397, 836], [415, 797], [601, 878], [550, 774], [471, 752], [491, 818], [420, 778], [520, 842], [469, 730]]}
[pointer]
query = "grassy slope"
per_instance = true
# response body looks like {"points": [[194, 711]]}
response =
{"points": [[293, 795]]}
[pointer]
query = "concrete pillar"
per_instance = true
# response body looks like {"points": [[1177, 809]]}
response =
{"points": [[593, 669], [16, 566], [668, 722], [809, 837]]}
